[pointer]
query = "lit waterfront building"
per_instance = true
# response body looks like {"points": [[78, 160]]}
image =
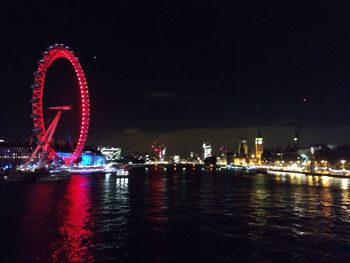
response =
{"points": [[242, 147], [259, 147], [12, 154], [112, 154], [221, 160], [206, 150], [241, 158], [87, 158]]}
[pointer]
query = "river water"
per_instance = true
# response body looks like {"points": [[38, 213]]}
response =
{"points": [[178, 217]]}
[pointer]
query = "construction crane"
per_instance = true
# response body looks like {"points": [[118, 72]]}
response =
{"points": [[296, 139]]}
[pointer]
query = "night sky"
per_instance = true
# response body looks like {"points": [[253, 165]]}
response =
{"points": [[182, 73]]}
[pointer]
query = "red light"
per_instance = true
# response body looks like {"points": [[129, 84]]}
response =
{"points": [[49, 57]]}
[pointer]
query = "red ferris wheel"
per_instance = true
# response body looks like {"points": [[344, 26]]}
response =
{"points": [[44, 134]]}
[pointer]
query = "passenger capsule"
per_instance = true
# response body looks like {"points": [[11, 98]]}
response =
{"points": [[35, 86], [34, 116], [34, 100], [37, 130]]}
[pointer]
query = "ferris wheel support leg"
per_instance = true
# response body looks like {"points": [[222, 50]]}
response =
{"points": [[54, 52], [46, 138], [52, 130]]}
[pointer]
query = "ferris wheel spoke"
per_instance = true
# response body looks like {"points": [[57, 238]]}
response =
{"points": [[45, 135]]}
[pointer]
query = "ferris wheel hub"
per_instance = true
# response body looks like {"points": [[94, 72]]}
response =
{"points": [[65, 107], [55, 52]]}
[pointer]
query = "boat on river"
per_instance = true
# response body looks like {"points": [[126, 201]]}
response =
{"points": [[240, 169], [36, 176]]}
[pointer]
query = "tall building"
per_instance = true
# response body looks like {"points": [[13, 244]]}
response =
{"points": [[242, 147], [159, 151], [259, 147], [230, 156], [206, 150]]}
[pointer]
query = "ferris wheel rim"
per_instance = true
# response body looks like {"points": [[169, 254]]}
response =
{"points": [[48, 57]]}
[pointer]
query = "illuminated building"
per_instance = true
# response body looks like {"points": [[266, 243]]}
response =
{"points": [[259, 147], [242, 147], [230, 156], [176, 158], [87, 158], [159, 151], [221, 160], [14, 154], [242, 154], [206, 150], [112, 154]]}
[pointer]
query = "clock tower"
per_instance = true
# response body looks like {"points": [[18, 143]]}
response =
{"points": [[259, 147]]}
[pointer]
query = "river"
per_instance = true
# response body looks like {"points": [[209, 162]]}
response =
{"points": [[157, 216]]}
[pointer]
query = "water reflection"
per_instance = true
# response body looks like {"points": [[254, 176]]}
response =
{"points": [[157, 205], [345, 200], [325, 181], [344, 184], [35, 209], [76, 232], [122, 183], [258, 203], [163, 216]]}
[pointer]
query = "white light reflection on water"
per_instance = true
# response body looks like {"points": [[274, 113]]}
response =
{"points": [[122, 182], [344, 183], [325, 180], [218, 217], [345, 199]]}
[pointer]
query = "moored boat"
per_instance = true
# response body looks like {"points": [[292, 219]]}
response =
{"points": [[246, 169], [36, 176]]}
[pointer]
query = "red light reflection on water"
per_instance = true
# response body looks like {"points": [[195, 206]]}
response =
{"points": [[76, 231], [157, 205]]}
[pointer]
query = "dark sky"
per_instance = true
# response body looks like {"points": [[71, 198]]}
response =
{"points": [[168, 71]]}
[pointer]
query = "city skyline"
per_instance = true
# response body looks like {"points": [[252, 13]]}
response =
{"points": [[160, 70], [180, 142], [175, 131]]}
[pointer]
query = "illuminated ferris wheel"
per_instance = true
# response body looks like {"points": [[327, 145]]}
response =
{"points": [[44, 133]]}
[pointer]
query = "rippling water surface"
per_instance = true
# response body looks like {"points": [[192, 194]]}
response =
{"points": [[194, 217]]}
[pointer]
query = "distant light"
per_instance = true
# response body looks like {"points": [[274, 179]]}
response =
{"points": [[2, 140], [95, 57]]}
